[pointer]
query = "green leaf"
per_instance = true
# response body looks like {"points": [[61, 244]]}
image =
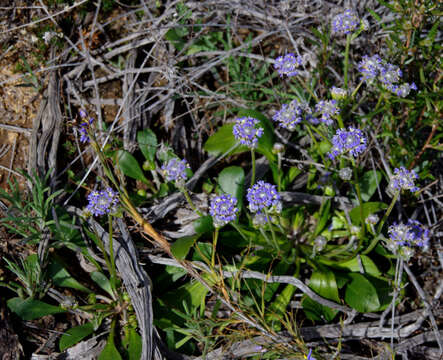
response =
{"points": [[183, 341], [324, 218], [203, 225], [129, 166], [279, 305], [147, 140], [203, 249], [368, 265], [101, 280], [368, 209], [110, 352], [180, 248], [231, 181], [135, 345], [223, 140], [384, 292], [317, 312], [74, 335], [174, 36], [31, 309], [61, 277], [323, 283], [368, 184], [361, 294], [193, 294]]}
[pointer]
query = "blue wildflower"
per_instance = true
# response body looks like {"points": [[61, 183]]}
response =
{"points": [[328, 109], [175, 170], [352, 141], [263, 196], [413, 233], [388, 74], [403, 179], [246, 132], [288, 64], [346, 22], [289, 115], [102, 202], [83, 130], [223, 209], [370, 67], [402, 90]]}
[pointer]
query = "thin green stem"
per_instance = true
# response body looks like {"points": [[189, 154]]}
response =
{"points": [[307, 88], [265, 235], [236, 227], [189, 200], [397, 276], [341, 124], [279, 172], [315, 141], [111, 256], [346, 66], [380, 226], [360, 202], [356, 89], [388, 212], [253, 166], [380, 98], [105, 257], [274, 239], [214, 246], [317, 130]]}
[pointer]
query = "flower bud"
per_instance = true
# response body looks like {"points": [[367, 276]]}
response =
{"points": [[141, 192], [278, 148], [372, 219], [338, 93], [320, 243], [345, 174], [364, 25]]}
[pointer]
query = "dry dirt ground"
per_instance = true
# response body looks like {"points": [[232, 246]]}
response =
{"points": [[19, 104]]}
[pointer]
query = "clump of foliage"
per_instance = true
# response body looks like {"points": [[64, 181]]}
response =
{"points": [[252, 248]]}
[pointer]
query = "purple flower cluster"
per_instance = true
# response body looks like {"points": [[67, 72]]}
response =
{"points": [[223, 209], [102, 202], [413, 233], [246, 132], [346, 22], [288, 64], [175, 170], [328, 109], [388, 74], [289, 115], [403, 179], [352, 141], [401, 90], [263, 196], [84, 126], [370, 67]]}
